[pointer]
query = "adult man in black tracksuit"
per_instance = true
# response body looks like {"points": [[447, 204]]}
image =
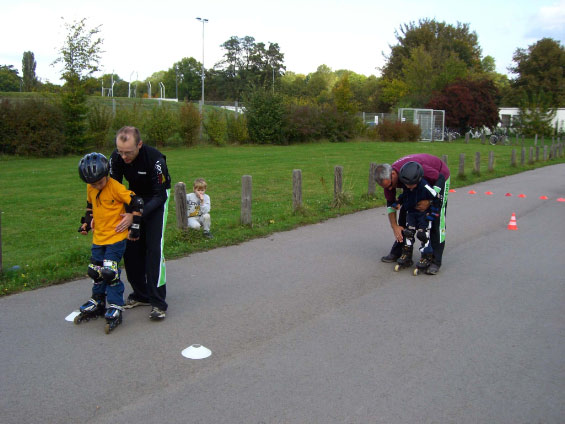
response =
{"points": [[145, 169]]}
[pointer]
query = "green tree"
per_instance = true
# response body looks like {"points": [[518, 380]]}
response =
{"points": [[536, 114], [80, 56], [343, 96], [9, 78], [439, 39], [540, 68], [28, 69], [265, 116]]}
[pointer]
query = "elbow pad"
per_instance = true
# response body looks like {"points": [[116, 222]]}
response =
{"points": [[136, 205]]}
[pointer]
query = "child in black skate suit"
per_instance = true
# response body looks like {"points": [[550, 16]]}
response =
{"points": [[107, 199], [418, 223]]}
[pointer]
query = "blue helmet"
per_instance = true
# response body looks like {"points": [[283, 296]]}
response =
{"points": [[411, 173], [93, 167]]}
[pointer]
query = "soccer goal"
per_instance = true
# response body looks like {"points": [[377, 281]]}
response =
{"points": [[431, 122]]}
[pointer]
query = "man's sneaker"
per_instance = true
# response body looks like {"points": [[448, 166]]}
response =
{"points": [[207, 234], [389, 258], [433, 269], [157, 314], [132, 303]]}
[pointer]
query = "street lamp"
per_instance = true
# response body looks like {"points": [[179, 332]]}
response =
{"points": [[203, 20]]}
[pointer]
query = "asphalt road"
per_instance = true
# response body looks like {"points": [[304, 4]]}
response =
{"points": [[308, 326]]}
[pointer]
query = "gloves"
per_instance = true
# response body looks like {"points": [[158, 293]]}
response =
{"points": [[86, 219], [433, 214], [134, 231]]}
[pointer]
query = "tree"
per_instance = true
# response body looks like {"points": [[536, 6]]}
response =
{"points": [[9, 78], [540, 68], [536, 114], [430, 55], [248, 65], [80, 56], [437, 38], [28, 69], [468, 103]]}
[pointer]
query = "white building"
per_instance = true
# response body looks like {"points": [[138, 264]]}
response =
{"points": [[507, 115]]}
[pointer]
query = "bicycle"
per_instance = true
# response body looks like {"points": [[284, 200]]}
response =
{"points": [[499, 139]]}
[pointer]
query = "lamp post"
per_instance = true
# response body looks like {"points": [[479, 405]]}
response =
{"points": [[203, 20]]}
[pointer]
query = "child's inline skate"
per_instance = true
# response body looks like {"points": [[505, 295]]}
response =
{"points": [[113, 317], [95, 307], [405, 259]]}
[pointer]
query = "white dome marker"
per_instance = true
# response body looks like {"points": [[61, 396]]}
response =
{"points": [[72, 315], [196, 351]]}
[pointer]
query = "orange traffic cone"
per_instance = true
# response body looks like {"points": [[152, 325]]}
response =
{"points": [[512, 225]]}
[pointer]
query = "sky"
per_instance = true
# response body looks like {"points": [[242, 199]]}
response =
{"points": [[142, 37]]}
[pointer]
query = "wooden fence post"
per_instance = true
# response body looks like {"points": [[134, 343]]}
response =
{"points": [[537, 153], [0, 241], [444, 159], [483, 138], [338, 181], [513, 158], [536, 140], [372, 179], [467, 136], [490, 161], [246, 191], [477, 163], [544, 152], [296, 189], [462, 164], [180, 206], [531, 156], [523, 156]]}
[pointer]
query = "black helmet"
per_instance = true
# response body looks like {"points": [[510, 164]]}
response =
{"points": [[411, 173], [92, 167]]}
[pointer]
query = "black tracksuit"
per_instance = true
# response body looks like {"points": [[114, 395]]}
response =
{"points": [[144, 262]]}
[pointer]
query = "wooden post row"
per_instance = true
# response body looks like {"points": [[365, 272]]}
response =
{"points": [[180, 206], [246, 191], [461, 164], [296, 189], [490, 161], [477, 163], [338, 181], [372, 179]]}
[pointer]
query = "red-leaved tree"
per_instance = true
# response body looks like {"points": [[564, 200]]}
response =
{"points": [[468, 103]]}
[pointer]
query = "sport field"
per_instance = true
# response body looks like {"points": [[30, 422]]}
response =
{"points": [[42, 200]]}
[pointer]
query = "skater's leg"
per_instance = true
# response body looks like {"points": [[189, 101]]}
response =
{"points": [[134, 262], [154, 258]]}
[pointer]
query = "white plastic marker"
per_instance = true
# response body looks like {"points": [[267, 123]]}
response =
{"points": [[196, 351], [71, 316]]}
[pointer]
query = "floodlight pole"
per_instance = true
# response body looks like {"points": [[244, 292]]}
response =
{"points": [[203, 20]]}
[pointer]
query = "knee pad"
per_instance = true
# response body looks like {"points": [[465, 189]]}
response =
{"points": [[110, 272], [422, 236], [409, 233], [94, 271]]}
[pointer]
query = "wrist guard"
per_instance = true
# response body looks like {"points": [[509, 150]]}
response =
{"points": [[433, 214], [134, 230], [86, 219]]}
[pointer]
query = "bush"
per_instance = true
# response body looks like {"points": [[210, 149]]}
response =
{"points": [[302, 123], [33, 127], [237, 128], [398, 131], [216, 126], [338, 126], [265, 115], [160, 125], [99, 122], [189, 123], [126, 116]]}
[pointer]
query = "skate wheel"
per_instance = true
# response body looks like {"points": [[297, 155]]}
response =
{"points": [[107, 328], [416, 271], [397, 268], [77, 320]]}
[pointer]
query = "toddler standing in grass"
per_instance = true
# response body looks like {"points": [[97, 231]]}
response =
{"points": [[198, 204]]}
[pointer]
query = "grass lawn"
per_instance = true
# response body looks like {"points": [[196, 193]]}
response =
{"points": [[42, 200]]}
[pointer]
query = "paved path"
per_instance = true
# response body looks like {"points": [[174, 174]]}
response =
{"points": [[307, 326]]}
